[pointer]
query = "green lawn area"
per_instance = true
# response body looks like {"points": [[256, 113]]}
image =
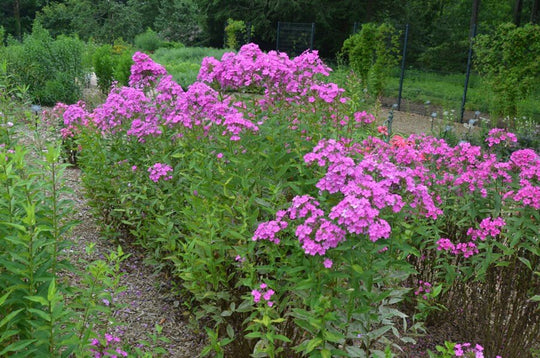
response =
{"points": [[184, 63]]}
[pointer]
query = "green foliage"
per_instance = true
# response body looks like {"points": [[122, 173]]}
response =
{"points": [[372, 53], [148, 41], [112, 63], [102, 20], [235, 34], [510, 61], [45, 312], [2, 36], [103, 62], [52, 69], [179, 20], [184, 63]]}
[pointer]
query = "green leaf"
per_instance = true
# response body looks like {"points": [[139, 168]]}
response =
{"points": [[333, 337], [526, 262], [325, 353], [254, 335], [314, 343], [17, 346], [355, 352], [43, 315], [9, 317], [37, 299], [230, 331], [3, 298], [51, 292]]}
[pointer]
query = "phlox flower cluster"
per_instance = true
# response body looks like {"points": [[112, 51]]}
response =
{"points": [[145, 72], [284, 81], [472, 170], [142, 112], [488, 227], [467, 249], [367, 188], [274, 72], [461, 349], [159, 171], [424, 288], [498, 136], [122, 106], [263, 292], [374, 179], [316, 233], [106, 347], [363, 117], [527, 163], [72, 118]]}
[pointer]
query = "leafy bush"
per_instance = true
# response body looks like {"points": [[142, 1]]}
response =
{"points": [[235, 34], [52, 69], [295, 231], [148, 41], [372, 53], [112, 64], [510, 61]]}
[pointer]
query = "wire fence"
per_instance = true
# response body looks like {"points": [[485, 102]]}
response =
{"points": [[294, 37]]}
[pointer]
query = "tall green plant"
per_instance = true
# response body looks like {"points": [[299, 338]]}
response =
{"points": [[509, 59], [372, 53], [51, 68], [235, 33]]}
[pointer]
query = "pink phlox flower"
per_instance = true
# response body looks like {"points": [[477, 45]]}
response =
{"points": [[144, 71], [158, 171], [328, 263], [498, 135], [265, 293]]}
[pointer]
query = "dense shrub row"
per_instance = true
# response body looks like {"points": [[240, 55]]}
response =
{"points": [[295, 231], [52, 69]]}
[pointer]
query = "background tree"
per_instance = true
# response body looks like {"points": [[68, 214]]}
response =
{"points": [[179, 20], [510, 61]]}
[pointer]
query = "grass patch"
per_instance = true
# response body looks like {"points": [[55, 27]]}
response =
{"points": [[184, 63], [446, 91]]}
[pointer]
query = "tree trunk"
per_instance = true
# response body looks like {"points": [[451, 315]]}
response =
{"points": [[17, 16], [535, 12], [517, 12]]}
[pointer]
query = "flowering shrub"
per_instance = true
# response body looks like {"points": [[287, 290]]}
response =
{"points": [[289, 187]]}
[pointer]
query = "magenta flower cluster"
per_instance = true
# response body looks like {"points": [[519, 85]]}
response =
{"points": [[488, 227], [497, 136], [72, 117], [374, 180], [160, 171], [145, 72], [152, 102], [461, 349], [423, 289], [106, 347], [263, 292], [274, 72]]}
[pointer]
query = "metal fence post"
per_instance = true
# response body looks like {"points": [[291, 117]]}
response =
{"points": [[468, 74], [403, 66], [277, 37], [312, 36]]}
